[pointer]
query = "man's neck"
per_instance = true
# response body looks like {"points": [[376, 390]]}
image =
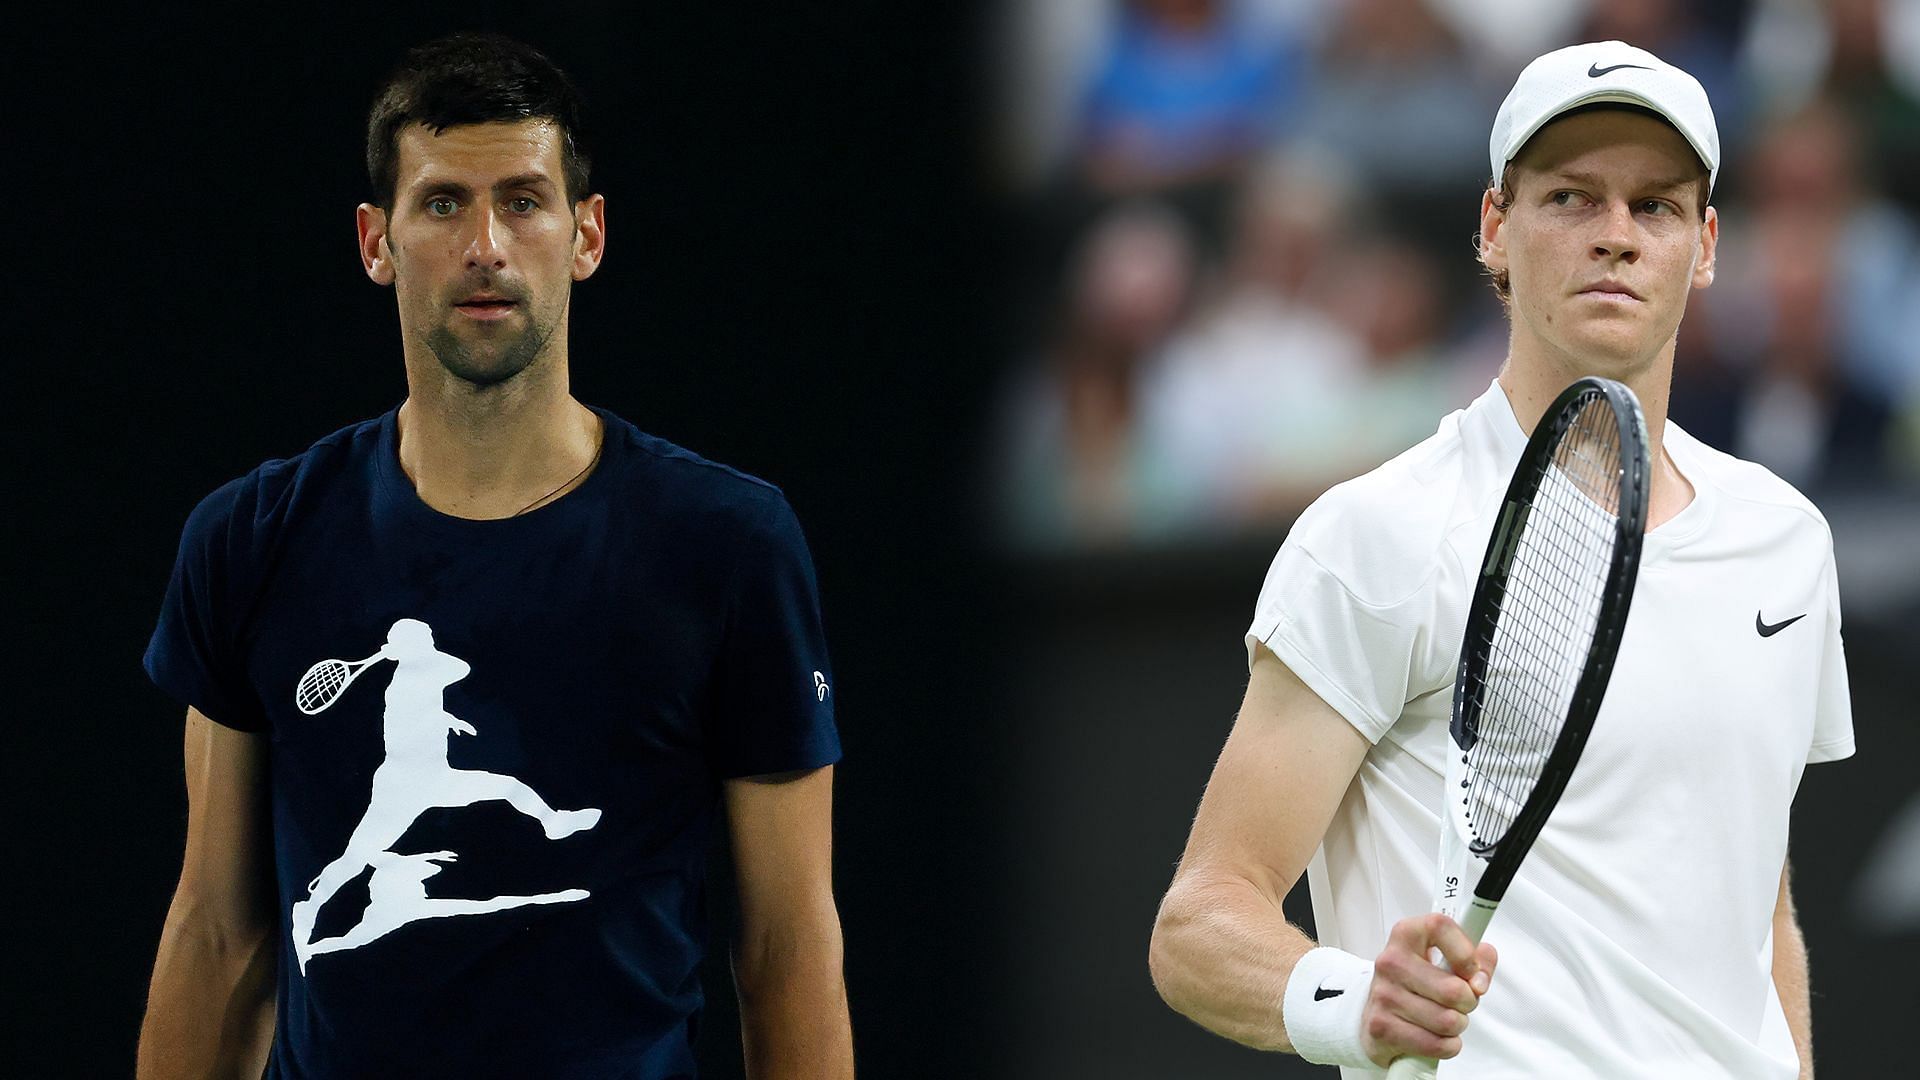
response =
{"points": [[492, 452], [1532, 380]]}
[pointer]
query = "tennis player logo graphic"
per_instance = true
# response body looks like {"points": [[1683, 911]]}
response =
{"points": [[414, 778]]}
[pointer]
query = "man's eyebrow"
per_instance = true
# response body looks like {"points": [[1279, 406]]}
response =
{"points": [[430, 188], [524, 180], [1589, 180], [427, 189]]}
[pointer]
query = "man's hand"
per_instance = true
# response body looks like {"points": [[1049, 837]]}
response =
{"points": [[1415, 1007]]}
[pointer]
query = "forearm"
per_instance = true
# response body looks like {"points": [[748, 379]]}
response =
{"points": [[1221, 954], [210, 1006], [794, 1023], [1790, 979]]}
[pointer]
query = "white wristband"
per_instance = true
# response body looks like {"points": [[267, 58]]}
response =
{"points": [[1326, 996]]}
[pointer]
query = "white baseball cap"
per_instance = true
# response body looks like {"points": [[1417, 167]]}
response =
{"points": [[1603, 71]]}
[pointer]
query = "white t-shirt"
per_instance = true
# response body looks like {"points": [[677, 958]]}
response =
{"points": [[1636, 940]]}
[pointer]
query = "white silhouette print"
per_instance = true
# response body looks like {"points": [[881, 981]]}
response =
{"points": [[397, 895], [415, 778]]}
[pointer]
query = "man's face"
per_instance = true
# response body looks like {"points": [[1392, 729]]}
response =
{"points": [[1603, 239], [482, 245]]}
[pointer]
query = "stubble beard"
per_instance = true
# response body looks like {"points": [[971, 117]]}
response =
{"points": [[495, 362]]}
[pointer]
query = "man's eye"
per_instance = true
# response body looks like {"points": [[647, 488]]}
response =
{"points": [[522, 205], [1564, 198], [441, 206], [1655, 206]]}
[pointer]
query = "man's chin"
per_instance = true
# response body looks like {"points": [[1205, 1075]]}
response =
{"points": [[1614, 352], [486, 378], [483, 367]]}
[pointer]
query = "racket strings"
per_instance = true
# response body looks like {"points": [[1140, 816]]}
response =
{"points": [[1555, 586], [321, 685]]}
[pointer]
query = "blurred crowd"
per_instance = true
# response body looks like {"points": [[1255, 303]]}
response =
{"points": [[1252, 271]]}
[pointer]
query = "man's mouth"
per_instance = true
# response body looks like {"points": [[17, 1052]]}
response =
{"points": [[1611, 289], [485, 307]]}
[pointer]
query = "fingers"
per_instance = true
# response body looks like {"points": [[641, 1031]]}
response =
{"points": [[1456, 948], [1410, 946], [1416, 1007], [1399, 1022], [1386, 1035], [1489, 959]]}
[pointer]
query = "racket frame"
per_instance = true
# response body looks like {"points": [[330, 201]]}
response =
{"points": [[354, 668], [1503, 855], [1474, 876]]}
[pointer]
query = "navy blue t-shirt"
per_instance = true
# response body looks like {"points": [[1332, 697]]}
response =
{"points": [[496, 746]]}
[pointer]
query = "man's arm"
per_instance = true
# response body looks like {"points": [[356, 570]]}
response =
{"points": [[787, 954], [1790, 974], [1222, 949], [210, 1007]]}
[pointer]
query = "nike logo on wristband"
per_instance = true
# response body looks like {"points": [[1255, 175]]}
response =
{"points": [[1594, 71], [1321, 993], [1768, 630]]}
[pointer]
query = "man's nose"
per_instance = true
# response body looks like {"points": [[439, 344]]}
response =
{"points": [[1618, 239], [485, 250]]}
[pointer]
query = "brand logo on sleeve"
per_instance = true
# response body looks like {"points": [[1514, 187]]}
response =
{"points": [[1321, 993], [820, 690]]}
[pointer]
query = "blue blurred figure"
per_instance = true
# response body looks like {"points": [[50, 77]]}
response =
{"points": [[1187, 92]]}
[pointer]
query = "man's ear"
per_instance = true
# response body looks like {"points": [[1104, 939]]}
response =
{"points": [[1703, 267], [589, 235], [376, 258], [1493, 220]]}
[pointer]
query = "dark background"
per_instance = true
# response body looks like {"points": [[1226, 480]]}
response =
{"points": [[803, 281], [792, 287]]}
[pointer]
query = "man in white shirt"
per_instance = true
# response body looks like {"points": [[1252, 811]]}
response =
{"points": [[1651, 932]]}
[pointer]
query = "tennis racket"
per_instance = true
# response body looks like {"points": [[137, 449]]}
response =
{"points": [[325, 681], [1541, 638]]}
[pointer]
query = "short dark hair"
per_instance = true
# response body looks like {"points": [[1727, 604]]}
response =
{"points": [[471, 78], [1503, 192]]}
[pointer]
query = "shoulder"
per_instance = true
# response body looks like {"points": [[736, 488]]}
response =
{"points": [[688, 487], [1747, 485], [273, 492], [1381, 534]]}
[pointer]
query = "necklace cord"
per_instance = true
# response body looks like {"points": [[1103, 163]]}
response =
{"points": [[598, 448]]}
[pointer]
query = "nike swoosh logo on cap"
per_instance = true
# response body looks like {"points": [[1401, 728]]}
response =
{"points": [[1594, 71]]}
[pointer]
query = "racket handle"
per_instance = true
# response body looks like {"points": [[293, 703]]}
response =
{"points": [[1412, 1068], [1474, 921]]}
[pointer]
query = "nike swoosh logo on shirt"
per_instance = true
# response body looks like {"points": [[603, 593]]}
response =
{"points": [[1767, 630], [1594, 71]]}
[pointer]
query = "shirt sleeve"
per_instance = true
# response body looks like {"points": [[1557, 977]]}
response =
{"points": [[195, 653], [774, 686], [1833, 719], [1365, 659]]}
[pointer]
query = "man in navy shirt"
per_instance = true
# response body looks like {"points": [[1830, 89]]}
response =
{"points": [[470, 684]]}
